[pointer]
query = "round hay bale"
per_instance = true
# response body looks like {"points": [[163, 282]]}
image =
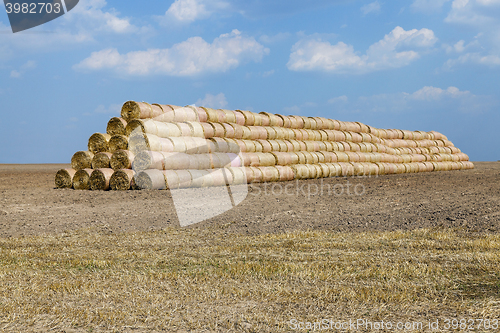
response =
{"points": [[238, 175], [233, 146], [229, 115], [64, 178], [269, 174], [266, 146], [184, 128], [99, 179], [122, 180], [254, 175], [167, 113], [335, 170], [271, 133], [135, 126], [300, 171], [101, 161], [347, 169], [172, 180], [149, 160], [221, 116], [229, 131], [240, 117], [116, 126], [301, 157], [266, 159], [198, 178], [208, 130], [81, 179], [138, 143], [238, 131], [122, 159], [219, 130], [212, 115], [99, 142], [297, 134], [285, 173], [249, 117], [359, 169], [150, 180], [201, 115], [136, 110], [220, 177], [185, 114], [118, 142], [82, 160]]}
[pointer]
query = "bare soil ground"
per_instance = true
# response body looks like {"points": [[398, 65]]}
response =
{"points": [[468, 200], [413, 248]]}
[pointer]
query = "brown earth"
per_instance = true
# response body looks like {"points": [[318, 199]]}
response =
{"points": [[467, 200]]}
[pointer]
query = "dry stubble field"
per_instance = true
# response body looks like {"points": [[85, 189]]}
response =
{"points": [[412, 248]]}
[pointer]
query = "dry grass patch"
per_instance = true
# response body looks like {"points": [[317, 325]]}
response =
{"points": [[204, 279]]}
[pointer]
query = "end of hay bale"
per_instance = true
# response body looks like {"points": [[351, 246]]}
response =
{"points": [[150, 180], [99, 179], [135, 110], [99, 142], [101, 160], [116, 126], [122, 180], [81, 179], [64, 178], [122, 159], [82, 160], [118, 142], [135, 126]]}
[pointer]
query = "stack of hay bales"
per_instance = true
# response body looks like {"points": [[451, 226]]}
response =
{"points": [[155, 146]]}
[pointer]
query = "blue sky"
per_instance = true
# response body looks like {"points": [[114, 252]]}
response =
{"points": [[416, 65]]}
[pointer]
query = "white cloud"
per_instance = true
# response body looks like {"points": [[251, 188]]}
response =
{"points": [[191, 57], [213, 101], [373, 7], [191, 10], [339, 99], [428, 6], [90, 16], [479, 13], [398, 48], [475, 58], [88, 21], [484, 16], [426, 99], [24, 68]]}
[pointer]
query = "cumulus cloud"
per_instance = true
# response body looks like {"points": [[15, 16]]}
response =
{"points": [[426, 99], [187, 11], [88, 21], [398, 48], [472, 12], [191, 57], [482, 15], [490, 60], [92, 16], [213, 101], [373, 7]]}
